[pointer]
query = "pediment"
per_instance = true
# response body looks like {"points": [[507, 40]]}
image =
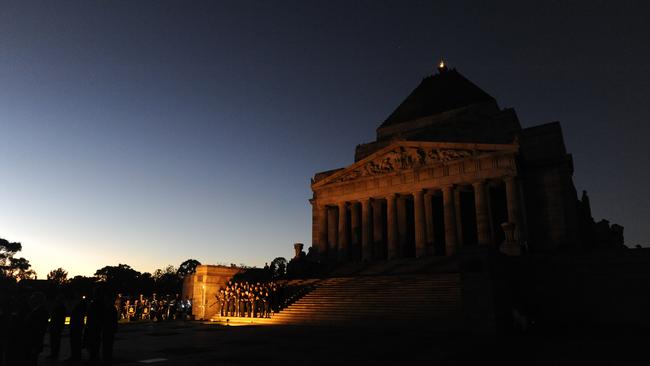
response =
{"points": [[406, 155]]}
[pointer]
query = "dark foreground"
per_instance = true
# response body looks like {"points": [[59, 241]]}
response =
{"points": [[193, 343]]}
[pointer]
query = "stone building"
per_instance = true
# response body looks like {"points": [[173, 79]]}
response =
{"points": [[449, 168]]}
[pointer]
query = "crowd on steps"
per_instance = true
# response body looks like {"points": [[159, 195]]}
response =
{"points": [[253, 300]]}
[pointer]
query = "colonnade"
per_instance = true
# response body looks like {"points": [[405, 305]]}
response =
{"points": [[372, 218]]}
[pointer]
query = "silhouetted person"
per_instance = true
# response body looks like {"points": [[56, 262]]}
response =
{"points": [[15, 351], [57, 321], [5, 314], [110, 317], [77, 314], [34, 328], [94, 322]]}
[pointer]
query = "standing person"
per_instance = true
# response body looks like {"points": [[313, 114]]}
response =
{"points": [[15, 352], [221, 299], [251, 304], [77, 314], [57, 321], [34, 328], [94, 322], [109, 327], [4, 324], [267, 313]]}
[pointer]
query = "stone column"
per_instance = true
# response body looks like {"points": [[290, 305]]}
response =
{"points": [[428, 216], [297, 247], [482, 217], [402, 226], [512, 198], [322, 229], [343, 231], [459, 220], [332, 231], [450, 219], [391, 215], [355, 230], [488, 193], [420, 227], [378, 228], [366, 243]]}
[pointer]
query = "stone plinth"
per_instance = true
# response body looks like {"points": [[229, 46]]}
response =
{"points": [[203, 286]]}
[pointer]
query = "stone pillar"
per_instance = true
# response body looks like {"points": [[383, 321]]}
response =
{"points": [[366, 243], [428, 217], [343, 232], [482, 217], [512, 198], [402, 226], [420, 227], [322, 229], [450, 219], [391, 215], [459, 220], [297, 247], [355, 231], [488, 192], [332, 231], [377, 228]]}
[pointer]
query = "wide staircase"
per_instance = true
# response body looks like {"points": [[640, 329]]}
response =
{"points": [[433, 300]]}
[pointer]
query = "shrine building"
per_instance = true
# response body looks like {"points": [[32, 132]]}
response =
{"points": [[449, 169]]}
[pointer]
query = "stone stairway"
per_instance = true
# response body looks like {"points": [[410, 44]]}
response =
{"points": [[433, 300], [379, 300]]}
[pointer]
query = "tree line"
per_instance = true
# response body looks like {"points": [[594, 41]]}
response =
{"points": [[121, 278]]}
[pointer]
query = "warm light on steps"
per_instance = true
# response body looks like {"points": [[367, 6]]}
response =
{"points": [[427, 298]]}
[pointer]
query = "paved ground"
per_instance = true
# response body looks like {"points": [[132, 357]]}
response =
{"points": [[193, 343]]}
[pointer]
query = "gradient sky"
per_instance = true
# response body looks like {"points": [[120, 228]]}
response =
{"points": [[149, 132]]}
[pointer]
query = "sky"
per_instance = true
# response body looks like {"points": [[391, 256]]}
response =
{"points": [[150, 132]]}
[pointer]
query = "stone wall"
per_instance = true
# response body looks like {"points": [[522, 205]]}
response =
{"points": [[203, 286]]}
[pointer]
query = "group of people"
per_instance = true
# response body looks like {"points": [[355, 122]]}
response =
{"points": [[25, 320], [144, 308], [244, 299]]}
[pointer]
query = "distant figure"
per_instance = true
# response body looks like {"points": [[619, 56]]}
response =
{"points": [[94, 322], [34, 328], [15, 352], [77, 314], [109, 327], [57, 321], [5, 312]]}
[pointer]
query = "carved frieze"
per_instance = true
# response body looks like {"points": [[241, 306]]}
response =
{"points": [[404, 157]]}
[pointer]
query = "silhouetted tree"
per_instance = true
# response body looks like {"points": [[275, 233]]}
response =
{"points": [[58, 276], [146, 284], [20, 269], [121, 278], [278, 267], [166, 281], [82, 285], [188, 267], [14, 268]]}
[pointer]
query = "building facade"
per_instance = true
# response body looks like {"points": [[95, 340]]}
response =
{"points": [[449, 168]]}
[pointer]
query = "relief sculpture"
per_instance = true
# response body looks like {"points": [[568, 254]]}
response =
{"points": [[402, 158]]}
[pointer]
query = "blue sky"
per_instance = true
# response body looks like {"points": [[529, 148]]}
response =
{"points": [[150, 132]]}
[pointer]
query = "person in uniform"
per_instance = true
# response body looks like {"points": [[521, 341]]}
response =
{"points": [[221, 301], [227, 302], [267, 307], [251, 299], [238, 302]]}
